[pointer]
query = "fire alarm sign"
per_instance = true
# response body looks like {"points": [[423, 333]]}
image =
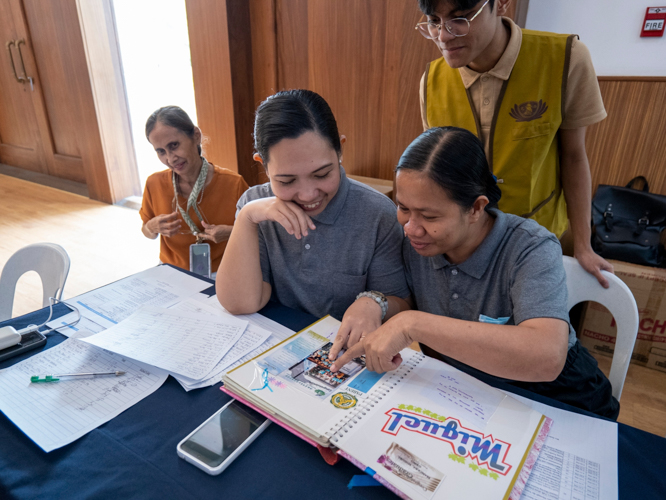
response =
{"points": [[654, 21]]}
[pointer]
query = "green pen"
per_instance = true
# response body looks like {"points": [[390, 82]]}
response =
{"points": [[54, 378]]}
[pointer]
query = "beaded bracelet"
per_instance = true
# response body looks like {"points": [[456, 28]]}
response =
{"points": [[378, 297]]}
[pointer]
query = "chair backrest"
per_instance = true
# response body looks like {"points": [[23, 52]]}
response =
{"points": [[49, 260], [619, 300]]}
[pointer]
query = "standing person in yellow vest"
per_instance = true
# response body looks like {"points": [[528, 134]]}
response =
{"points": [[529, 96]]}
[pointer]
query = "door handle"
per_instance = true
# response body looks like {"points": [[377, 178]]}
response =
{"points": [[11, 59], [25, 74], [18, 46]]}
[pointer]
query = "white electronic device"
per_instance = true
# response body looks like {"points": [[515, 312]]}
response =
{"points": [[219, 440], [9, 337]]}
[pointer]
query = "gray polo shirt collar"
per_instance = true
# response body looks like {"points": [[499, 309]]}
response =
{"points": [[335, 206], [477, 264]]}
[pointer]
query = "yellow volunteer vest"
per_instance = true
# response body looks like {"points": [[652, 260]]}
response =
{"points": [[523, 145]]}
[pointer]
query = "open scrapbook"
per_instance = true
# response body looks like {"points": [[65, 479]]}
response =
{"points": [[425, 430]]}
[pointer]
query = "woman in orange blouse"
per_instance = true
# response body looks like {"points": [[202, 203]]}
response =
{"points": [[192, 200]]}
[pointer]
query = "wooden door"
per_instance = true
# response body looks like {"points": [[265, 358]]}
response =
{"points": [[60, 58], [20, 138]]}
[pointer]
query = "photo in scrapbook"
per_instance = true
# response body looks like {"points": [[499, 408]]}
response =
{"points": [[304, 364]]}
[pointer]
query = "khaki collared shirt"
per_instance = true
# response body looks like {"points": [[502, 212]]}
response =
{"points": [[583, 104]]}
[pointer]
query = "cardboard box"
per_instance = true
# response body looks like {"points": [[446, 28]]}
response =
{"points": [[598, 330], [657, 358]]}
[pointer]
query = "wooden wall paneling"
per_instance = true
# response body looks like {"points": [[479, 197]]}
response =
{"points": [[105, 139], [264, 49], [211, 73], [292, 31], [223, 83], [365, 58], [346, 57], [242, 83], [631, 141], [58, 49], [20, 140], [405, 61]]}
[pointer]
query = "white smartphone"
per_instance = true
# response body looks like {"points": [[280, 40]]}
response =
{"points": [[219, 440], [200, 259]]}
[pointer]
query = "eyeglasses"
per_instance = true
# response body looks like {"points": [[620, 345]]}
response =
{"points": [[457, 27]]}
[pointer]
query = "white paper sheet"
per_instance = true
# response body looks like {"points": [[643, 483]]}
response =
{"points": [[182, 343], [254, 341], [84, 325], [578, 461], [158, 286], [58, 413], [279, 331]]}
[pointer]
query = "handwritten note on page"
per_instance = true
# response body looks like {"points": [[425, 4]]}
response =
{"points": [[58, 413], [478, 404], [182, 343]]}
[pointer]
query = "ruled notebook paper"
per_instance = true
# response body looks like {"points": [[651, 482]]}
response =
{"points": [[58, 413]]}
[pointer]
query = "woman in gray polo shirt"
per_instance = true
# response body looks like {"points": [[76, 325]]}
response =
{"points": [[489, 287], [311, 238]]}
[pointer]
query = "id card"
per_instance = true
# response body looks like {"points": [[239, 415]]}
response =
{"points": [[200, 259]]}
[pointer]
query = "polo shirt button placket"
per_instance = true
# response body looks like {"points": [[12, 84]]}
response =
{"points": [[454, 272], [307, 246], [454, 296]]}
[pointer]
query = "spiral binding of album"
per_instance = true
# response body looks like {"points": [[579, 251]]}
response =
{"points": [[344, 426]]}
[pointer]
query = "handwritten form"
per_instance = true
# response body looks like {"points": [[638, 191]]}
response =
{"points": [[478, 404], [578, 460], [58, 413], [160, 286], [184, 344], [254, 341]]}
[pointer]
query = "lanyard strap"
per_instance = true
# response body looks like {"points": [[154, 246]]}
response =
{"points": [[192, 199]]}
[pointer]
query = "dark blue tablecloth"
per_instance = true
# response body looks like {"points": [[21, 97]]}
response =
{"points": [[134, 455]]}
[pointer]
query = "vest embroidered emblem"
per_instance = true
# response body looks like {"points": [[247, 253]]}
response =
{"points": [[528, 111]]}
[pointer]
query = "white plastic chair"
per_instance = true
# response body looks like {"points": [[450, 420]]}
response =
{"points": [[49, 260], [619, 300]]}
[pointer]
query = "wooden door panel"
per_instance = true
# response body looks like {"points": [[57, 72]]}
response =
{"points": [[57, 44], [54, 40], [20, 143]]}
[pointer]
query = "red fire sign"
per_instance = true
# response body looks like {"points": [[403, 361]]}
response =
{"points": [[654, 21]]}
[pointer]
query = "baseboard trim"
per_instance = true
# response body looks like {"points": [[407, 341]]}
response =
{"points": [[45, 180]]}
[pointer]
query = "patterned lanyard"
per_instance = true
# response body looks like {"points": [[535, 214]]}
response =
{"points": [[192, 199]]}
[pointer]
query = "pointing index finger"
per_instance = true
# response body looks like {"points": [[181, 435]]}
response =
{"points": [[354, 352], [339, 342]]}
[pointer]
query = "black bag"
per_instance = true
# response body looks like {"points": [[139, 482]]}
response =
{"points": [[627, 224]]}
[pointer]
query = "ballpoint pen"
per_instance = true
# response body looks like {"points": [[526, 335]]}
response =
{"points": [[54, 378]]}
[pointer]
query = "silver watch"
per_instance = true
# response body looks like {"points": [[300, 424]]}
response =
{"points": [[378, 297]]}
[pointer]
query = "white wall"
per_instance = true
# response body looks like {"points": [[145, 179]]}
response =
{"points": [[155, 53], [610, 29]]}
